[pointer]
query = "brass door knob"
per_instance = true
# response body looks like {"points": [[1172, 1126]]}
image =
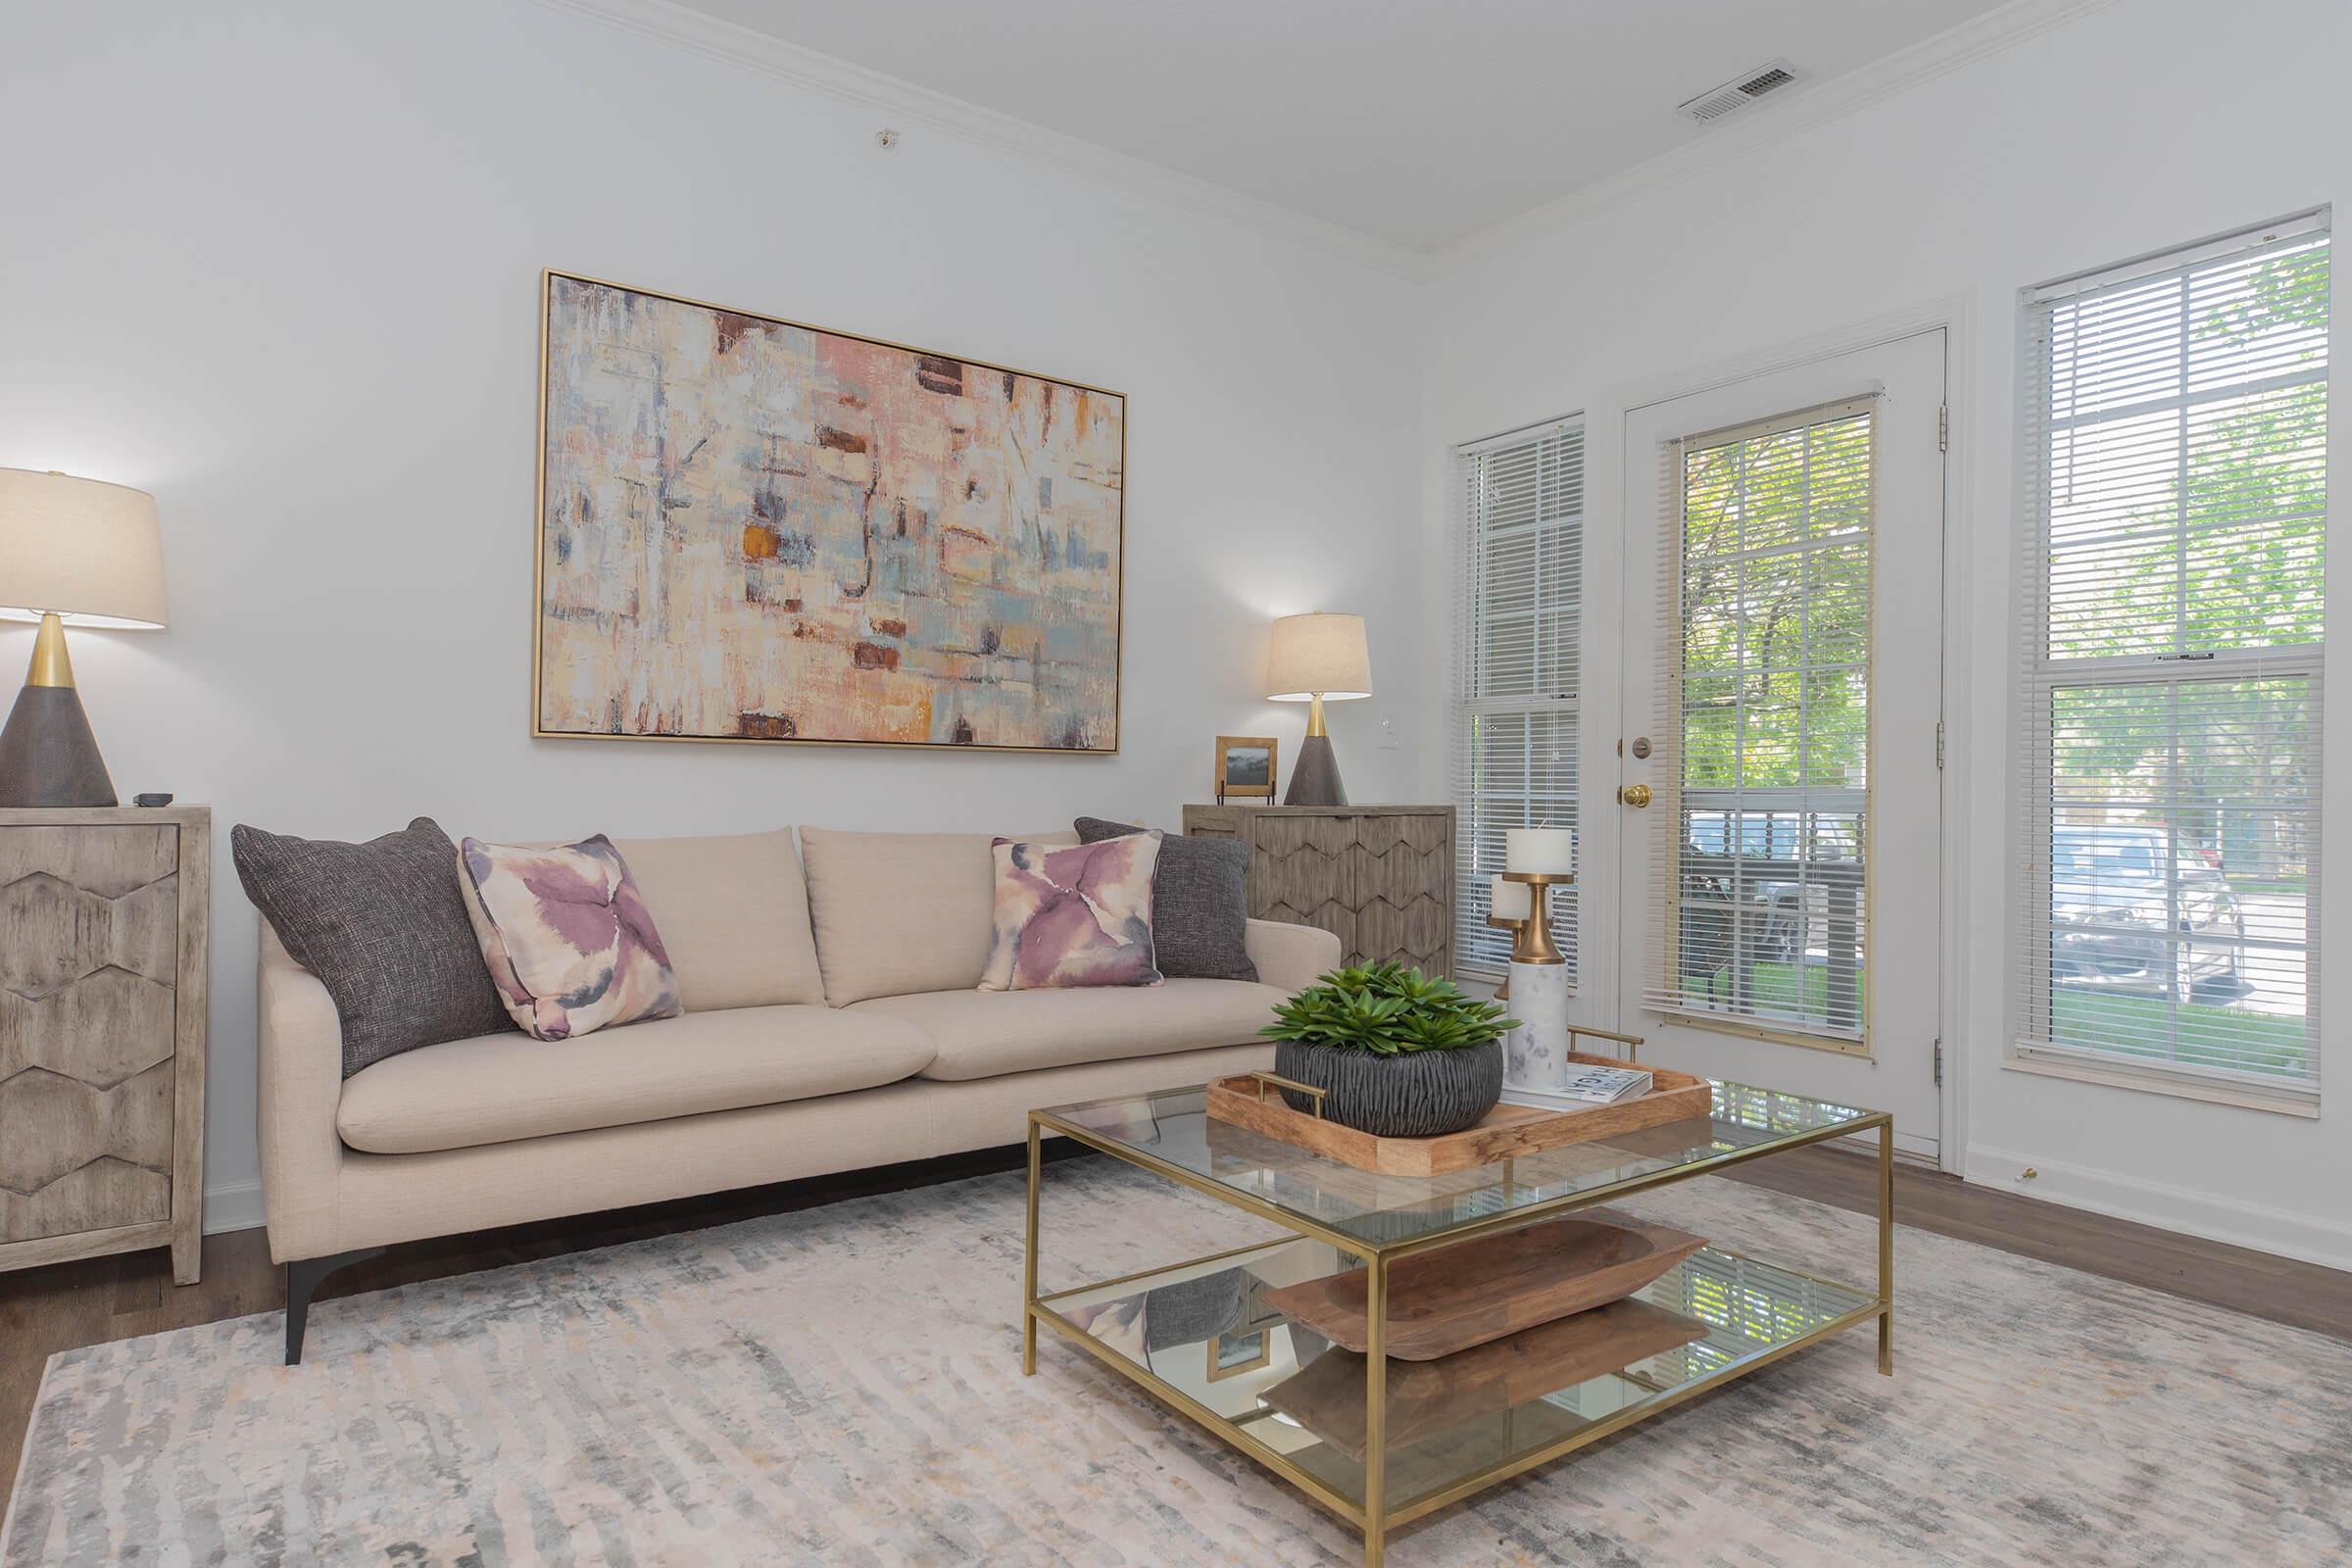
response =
{"points": [[1635, 795]]}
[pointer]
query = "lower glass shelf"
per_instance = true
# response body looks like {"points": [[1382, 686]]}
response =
{"points": [[1276, 1389]]}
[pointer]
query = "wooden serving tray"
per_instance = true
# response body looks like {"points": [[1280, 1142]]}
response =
{"points": [[1429, 1398], [1453, 1297], [1507, 1132]]}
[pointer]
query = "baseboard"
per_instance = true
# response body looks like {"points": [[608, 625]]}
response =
{"points": [[2309, 1238], [234, 1207]]}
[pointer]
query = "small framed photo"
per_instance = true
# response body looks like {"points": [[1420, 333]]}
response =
{"points": [[1237, 1350], [1246, 767]]}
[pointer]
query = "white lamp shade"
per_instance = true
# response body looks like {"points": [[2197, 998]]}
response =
{"points": [[92, 551], [1318, 655]]}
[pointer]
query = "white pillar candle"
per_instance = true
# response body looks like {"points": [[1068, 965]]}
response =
{"points": [[1510, 901], [1542, 851]]}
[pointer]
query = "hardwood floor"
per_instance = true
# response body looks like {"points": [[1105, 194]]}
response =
{"points": [[2260, 1285], [72, 1305]]}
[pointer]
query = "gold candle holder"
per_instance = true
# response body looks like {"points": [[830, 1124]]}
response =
{"points": [[1502, 992], [1534, 944]]}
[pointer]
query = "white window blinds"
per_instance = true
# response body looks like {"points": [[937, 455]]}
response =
{"points": [[2175, 507], [1518, 629], [1759, 870]]}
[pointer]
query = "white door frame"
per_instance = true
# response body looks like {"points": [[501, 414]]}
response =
{"points": [[1606, 453]]}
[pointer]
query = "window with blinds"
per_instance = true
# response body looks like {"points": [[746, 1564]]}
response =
{"points": [[1763, 734], [1518, 625], [2175, 507]]}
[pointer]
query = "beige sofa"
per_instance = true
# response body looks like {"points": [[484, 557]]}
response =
{"points": [[832, 1024]]}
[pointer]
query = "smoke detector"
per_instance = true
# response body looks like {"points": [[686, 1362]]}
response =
{"points": [[1737, 94]]}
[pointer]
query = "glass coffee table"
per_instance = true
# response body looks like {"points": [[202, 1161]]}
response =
{"points": [[1379, 1440]]}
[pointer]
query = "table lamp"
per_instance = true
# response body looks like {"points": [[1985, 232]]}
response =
{"points": [[1317, 658], [71, 550]]}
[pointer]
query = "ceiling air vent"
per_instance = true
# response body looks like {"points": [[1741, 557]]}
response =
{"points": [[1718, 103]]}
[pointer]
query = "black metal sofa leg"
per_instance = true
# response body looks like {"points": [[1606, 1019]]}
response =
{"points": [[301, 1282]]}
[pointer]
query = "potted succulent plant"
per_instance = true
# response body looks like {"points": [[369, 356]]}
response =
{"points": [[1396, 1054]]}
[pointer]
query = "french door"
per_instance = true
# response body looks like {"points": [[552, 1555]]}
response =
{"points": [[1777, 806]]}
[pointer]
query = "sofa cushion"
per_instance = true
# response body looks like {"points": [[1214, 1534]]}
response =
{"points": [[566, 937], [1073, 916], [901, 913], [383, 926], [979, 1034], [1199, 902], [734, 914], [508, 1086]]}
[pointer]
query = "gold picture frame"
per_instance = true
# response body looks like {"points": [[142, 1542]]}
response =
{"points": [[1246, 767], [1099, 737], [1240, 1349]]}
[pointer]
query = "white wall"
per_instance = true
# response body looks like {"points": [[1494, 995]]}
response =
{"points": [[280, 265], [2131, 129]]}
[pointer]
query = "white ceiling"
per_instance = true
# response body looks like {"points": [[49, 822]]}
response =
{"points": [[1418, 122]]}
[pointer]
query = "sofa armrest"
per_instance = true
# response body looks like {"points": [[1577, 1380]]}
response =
{"points": [[1292, 956], [301, 1085]]}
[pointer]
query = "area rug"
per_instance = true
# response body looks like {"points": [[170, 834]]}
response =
{"points": [[841, 1387]]}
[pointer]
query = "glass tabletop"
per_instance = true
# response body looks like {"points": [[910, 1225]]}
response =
{"points": [[1172, 1132]]}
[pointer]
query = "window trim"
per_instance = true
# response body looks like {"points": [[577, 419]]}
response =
{"points": [[2088, 1068], [2035, 676]]}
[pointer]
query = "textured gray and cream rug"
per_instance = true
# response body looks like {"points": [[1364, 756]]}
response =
{"points": [[842, 1386]]}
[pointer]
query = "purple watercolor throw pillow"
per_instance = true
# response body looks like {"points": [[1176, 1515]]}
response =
{"points": [[1076, 914], [568, 941]]}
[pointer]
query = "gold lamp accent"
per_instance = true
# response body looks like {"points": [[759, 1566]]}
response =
{"points": [[52, 665], [75, 549]]}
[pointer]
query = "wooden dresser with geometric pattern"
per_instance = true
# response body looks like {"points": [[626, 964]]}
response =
{"points": [[1377, 877], [103, 920]]}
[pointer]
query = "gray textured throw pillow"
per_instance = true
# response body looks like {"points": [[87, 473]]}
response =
{"points": [[1199, 902], [383, 926]]}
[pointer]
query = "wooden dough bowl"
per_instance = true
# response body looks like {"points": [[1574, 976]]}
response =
{"points": [[1427, 1399], [1456, 1297]]}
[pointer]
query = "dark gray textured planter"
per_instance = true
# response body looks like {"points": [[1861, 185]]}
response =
{"points": [[1415, 1094]]}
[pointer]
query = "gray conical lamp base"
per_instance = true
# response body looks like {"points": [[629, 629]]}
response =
{"points": [[1315, 776], [48, 755]]}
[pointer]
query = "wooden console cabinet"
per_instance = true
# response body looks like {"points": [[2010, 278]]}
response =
{"points": [[1377, 877], [103, 925]]}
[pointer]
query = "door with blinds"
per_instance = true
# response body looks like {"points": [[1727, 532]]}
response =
{"points": [[1777, 808]]}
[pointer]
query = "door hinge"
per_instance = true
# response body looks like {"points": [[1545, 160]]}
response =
{"points": [[1939, 1061], [1943, 430], [1939, 744]]}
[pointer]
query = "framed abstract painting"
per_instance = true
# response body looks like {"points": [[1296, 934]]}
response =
{"points": [[754, 531]]}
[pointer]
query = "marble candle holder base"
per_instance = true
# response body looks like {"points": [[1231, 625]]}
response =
{"points": [[1536, 1053]]}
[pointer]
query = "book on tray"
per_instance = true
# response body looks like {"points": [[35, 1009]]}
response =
{"points": [[1605, 1086], [1587, 1085]]}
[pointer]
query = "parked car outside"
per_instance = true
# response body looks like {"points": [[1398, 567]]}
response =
{"points": [[1760, 838], [2129, 913]]}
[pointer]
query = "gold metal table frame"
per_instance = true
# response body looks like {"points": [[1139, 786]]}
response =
{"points": [[1375, 1517]]}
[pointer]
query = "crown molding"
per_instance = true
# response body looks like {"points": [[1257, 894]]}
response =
{"points": [[715, 38], [1808, 106]]}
